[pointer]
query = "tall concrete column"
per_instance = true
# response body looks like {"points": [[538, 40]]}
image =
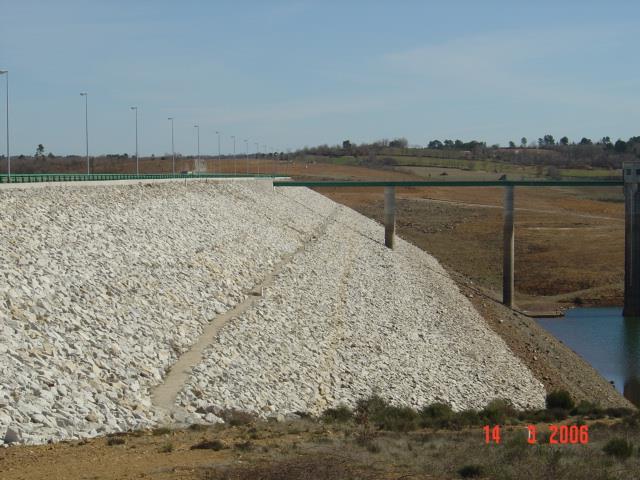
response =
{"points": [[508, 248], [389, 216], [631, 175]]}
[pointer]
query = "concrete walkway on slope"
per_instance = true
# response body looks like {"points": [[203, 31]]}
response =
{"points": [[164, 395]]}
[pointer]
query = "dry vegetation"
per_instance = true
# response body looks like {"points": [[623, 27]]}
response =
{"points": [[127, 165], [377, 441]]}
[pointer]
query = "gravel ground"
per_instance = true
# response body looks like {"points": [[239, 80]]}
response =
{"points": [[102, 288], [349, 318]]}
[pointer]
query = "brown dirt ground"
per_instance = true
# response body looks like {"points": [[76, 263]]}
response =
{"points": [[298, 449], [312, 450]]}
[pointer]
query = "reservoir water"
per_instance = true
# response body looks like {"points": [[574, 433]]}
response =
{"points": [[607, 341]]}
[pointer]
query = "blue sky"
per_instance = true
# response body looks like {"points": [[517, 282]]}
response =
{"points": [[293, 73]]}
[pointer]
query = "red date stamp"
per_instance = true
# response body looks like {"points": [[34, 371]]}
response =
{"points": [[558, 434]]}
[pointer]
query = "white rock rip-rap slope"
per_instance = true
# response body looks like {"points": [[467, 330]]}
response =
{"points": [[103, 287], [348, 318]]}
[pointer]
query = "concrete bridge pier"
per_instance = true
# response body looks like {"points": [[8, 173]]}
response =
{"points": [[389, 216], [631, 176], [508, 243]]}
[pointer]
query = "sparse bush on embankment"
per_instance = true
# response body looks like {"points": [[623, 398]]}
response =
{"points": [[378, 440], [559, 399], [619, 448], [385, 416], [451, 444]]}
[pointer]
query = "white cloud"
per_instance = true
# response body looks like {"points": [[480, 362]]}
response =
{"points": [[550, 65]]}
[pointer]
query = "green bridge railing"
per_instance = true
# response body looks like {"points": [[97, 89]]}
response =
{"points": [[454, 183], [83, 177]]}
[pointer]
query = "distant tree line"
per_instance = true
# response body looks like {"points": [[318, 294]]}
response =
{"points": [[456, 144], [546, 151]]}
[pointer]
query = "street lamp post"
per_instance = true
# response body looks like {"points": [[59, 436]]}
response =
{"points": [[173, 150], [266, 160], [86, 126], [235, 160], [246, 145], [197, 127], [6, 72], [276, 160], [219, 160], [137, 159], [273, 160], [257, 160]]}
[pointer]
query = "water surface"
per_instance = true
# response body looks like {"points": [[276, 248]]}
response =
{"points": [[605, 339]]}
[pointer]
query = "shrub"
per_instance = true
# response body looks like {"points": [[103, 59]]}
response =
{"points": [[111, 441], [559, 399], [557, 414], [587, 408], [215, 445], [471, 471], [243, 446], [436, 415], [341, 413], [618, 412], [198, 427], [385, 416], [166, 448], [399, 419], [437, 411], [236, 418], [161, 431], [529, 415], [619, 448], [302, 414], [467, 418], [498, 411], [370, 406]]}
